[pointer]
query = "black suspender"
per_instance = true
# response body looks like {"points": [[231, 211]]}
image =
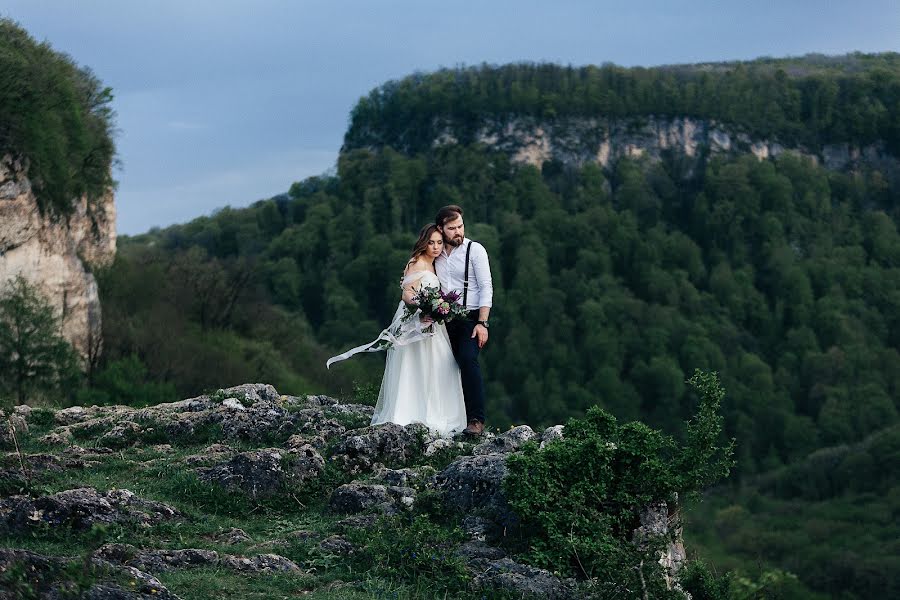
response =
{"points": [[465, 295], [466, 278]]}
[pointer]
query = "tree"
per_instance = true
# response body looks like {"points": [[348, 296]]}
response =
{"points": [[33, 354]]}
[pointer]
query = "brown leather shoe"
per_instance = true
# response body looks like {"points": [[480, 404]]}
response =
{"points": [[475, 427]]}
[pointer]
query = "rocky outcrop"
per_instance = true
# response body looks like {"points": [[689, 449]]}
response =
{"points": [[311, 452], [56, 253], [583, 140]]}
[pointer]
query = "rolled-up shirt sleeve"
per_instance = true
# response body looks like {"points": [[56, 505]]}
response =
{"points": [[482, 269]]}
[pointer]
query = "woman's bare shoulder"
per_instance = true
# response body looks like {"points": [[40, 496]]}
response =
{"points": [[417, 266]]}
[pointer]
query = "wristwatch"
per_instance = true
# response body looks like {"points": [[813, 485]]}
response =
{"points": [[484, 323]]}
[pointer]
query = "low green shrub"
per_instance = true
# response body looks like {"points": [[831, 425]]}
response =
{"points": [[580, 498], [411, 548]]}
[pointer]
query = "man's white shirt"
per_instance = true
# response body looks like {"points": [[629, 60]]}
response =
{"points": [[451, 270]]}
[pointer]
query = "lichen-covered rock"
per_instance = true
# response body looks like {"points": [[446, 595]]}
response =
{"points": [[261, 563], [522, 580], [12, 464], [388, 443], [658, 521], [232, 535], [262, 420], [405, 477], [58, 437], [73, 414], [361, 521], [508, 441], [252, 393], [315, 423], [475, 483], [266, 472], [337, 544], [123, 433], [157, 561], [358, 497], [80, 508], [551, 434], [478, 549]]}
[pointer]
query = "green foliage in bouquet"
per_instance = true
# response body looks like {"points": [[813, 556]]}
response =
{"points": [[580, 497]]}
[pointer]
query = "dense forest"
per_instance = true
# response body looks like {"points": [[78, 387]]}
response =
{"points": [[611, 287], [811, 101], [57, 115]]}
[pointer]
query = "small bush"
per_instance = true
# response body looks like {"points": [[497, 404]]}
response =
{"points": [[411, 548], [580, 498]]}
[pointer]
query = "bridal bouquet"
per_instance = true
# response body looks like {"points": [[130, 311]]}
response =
{"points": [[439, 306]]}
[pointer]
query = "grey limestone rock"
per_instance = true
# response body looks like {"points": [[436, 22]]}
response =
{"points": [[357, 497], [233, 535], [522, 580], [337, 544], [405, 477], [552, 433], [265, 472], [261, 563], [123, 433], [80, 508], [508, 441], [391, 444], [353, 498], [252, 392], [473, 482]]}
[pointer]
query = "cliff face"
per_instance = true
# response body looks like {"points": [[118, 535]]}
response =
{"points": [[579, 141], [56, 254]]}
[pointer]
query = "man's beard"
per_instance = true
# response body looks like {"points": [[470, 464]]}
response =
{"points": [[453, 242]]}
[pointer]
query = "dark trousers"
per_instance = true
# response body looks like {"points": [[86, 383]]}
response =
{"points": [[465, 350]]}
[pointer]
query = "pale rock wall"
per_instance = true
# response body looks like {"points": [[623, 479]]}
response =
{"points": [[582, 140], [56, 255]]}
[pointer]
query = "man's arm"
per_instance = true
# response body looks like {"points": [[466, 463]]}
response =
{"points": [[482, 268]]}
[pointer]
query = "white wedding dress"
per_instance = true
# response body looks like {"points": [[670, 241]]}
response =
{"points": [[421, 382]]}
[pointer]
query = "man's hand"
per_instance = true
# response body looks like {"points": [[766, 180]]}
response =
{"points": [[481, 332]]}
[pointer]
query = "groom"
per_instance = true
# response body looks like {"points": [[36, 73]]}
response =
{"points": [[463, 266]]}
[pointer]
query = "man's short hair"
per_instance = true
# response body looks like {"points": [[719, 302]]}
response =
{"points": [[448, 213]]}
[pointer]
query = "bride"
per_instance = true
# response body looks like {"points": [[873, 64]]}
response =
{"points": [[421, 382]]}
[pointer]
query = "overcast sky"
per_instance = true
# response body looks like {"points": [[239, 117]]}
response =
{"points": [[225, 102]]}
